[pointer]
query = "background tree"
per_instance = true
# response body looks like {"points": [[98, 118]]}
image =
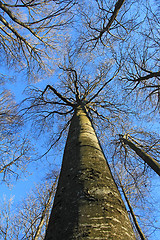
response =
{"points": [[30, 32], [135, 178], [30, 218], [15, 147], [128, 140], [129, 35]]}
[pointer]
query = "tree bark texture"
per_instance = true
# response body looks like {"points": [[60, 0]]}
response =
{"points": [[87, 203]]}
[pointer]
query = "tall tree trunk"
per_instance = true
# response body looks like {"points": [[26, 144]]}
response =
{"points": [[87, 204], [131, 211], [146, 157]]}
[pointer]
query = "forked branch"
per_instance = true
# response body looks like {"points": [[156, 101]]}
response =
{"points": [[64, 99]]}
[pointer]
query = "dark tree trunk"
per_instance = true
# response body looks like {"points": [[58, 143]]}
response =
{"points": [[87, 204]]}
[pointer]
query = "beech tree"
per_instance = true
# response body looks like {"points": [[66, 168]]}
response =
{"points": [[133, 174], [83, 103], [146, 157], [90, 202], [114, 45]]}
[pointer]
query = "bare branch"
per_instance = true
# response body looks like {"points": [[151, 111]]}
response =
{"points": [[104, 85], [58, 95]]}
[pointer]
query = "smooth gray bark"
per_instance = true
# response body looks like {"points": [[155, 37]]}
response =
{"points": [[146, 157], [87, 204]]}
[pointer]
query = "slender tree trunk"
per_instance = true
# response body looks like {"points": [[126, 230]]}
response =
{"points": [[45, 211], [132, 212], [87, 204], [146, 157]]}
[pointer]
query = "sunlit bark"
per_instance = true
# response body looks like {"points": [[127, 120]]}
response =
{"points": [[87, 204], [146, 157]]}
